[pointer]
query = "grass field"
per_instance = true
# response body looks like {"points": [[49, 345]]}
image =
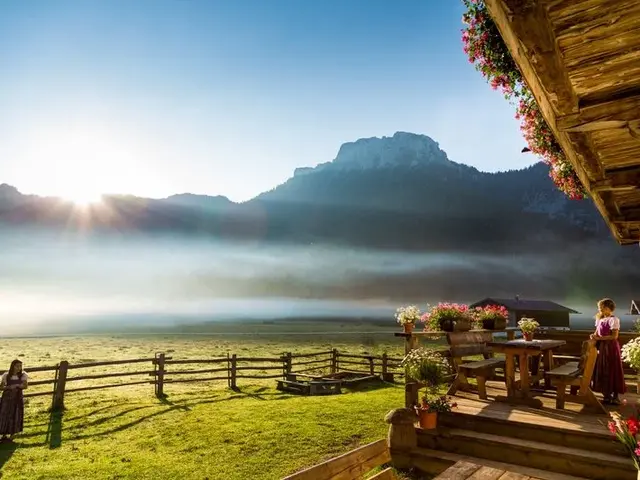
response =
{"points": [[201, 430]]}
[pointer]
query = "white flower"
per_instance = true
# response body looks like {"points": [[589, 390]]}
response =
{"points": [[410, 314], [631, 353]]}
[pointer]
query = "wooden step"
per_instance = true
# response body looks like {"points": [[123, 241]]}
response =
{"points": [[597, 440], [435, 461], [554, 458]]}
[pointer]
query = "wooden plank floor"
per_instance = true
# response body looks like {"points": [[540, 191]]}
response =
{"points": [[573, 417]]}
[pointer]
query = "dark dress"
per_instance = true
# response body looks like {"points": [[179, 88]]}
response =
{"points": [[12, 409], [608, 376]]}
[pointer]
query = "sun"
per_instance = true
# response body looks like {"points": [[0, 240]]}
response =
{"points": [[83, 198]]}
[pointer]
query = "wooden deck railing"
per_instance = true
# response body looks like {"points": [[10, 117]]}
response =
{"points": [[351, 465], [165, 370]]}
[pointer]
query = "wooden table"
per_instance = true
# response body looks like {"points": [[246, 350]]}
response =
{"points": [[463, 470], [524, 350]]}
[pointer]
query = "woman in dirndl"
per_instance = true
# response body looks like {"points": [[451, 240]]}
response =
{"points": [[12, 384]]}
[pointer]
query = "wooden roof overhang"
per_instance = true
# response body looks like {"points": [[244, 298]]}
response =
{"points": [[581, 60]]}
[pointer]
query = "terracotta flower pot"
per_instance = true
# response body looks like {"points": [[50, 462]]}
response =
{"points": [[408, 327], [428, 420], [528, 336]]}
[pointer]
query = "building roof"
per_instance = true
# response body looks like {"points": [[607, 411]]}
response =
{"points": [[519, 304], [581, 61], [635, 307]]}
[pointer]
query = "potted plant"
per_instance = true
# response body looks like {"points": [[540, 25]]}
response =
{"points": [[626, 431], [429, 409], [491, 317], [528, 327], [407, 317], [448, 317], [432, 370], [631, 355]]}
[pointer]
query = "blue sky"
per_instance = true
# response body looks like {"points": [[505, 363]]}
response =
{"points": [[155, 97]]}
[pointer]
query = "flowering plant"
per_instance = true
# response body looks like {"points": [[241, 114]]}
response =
{"points": [[626, 429], [528, 325], [489, 313], [442, 312], [487, 51], [410, 314], [631, 353], [439, 404], [426, 366]]}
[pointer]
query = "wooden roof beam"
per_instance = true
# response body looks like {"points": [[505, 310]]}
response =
{"points": [[619, 113], [622, 179], [527, 32]]}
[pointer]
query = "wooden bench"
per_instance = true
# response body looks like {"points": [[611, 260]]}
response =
{"points": [[577, 376], [468, 344]]}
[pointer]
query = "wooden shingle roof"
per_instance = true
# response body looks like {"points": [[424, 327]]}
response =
{"points": [[518, 304], [581, 60]]}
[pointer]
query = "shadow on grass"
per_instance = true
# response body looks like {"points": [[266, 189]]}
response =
{"points": [[53, 435], [6, 451], [54, 429]]}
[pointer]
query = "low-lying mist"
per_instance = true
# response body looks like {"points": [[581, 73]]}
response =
{"points": [[57, 278]]}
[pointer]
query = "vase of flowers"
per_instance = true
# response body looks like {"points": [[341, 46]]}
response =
{"points": [[491, 317], [528, 327], [448, 317], [431, 369], [407, 317], [626, 429]]}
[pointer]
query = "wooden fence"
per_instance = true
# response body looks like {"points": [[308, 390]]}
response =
{"points": [[165, 370]]}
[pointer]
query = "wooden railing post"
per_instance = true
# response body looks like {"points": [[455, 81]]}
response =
{"points": [[372, 368], [234, 366], [58, 396], [288, 366], [385, 366], [402, 438], [159, 365], [334, 360]]}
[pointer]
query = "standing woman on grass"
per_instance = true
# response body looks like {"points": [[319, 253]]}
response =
{"points": [[608, 376], [12, 384]]}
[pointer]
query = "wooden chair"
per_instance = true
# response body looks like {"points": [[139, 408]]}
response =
{"points": [[577, 376], [467, 344]]}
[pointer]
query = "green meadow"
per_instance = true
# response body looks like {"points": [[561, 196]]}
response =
{"points": [[201, 430]]}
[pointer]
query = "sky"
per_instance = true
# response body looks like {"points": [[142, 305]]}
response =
{"points": [[157, 97]]}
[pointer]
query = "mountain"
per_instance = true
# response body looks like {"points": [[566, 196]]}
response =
{"points": [[399, 192]]}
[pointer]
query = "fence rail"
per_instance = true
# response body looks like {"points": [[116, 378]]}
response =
{"points": [[229, 368]]}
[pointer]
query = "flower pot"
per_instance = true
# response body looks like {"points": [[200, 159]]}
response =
{"points": [[428, 420], [408, 327], [455, 325], [528, 336], [494, 324]]}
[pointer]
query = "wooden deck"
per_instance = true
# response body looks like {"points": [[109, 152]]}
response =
{"points": [[542, 443], [574, 417]]}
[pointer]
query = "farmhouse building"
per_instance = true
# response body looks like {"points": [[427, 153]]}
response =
{"points": [[545, 312]]}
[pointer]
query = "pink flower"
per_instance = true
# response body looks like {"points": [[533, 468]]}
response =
{"points": [[612, 427]]}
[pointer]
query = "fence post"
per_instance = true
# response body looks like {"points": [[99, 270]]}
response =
{"points": [[334, 360], [372, 369], [228, 370], [233, 372], [58, 396], [385, 366], [289, 362], [159, 364]]}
